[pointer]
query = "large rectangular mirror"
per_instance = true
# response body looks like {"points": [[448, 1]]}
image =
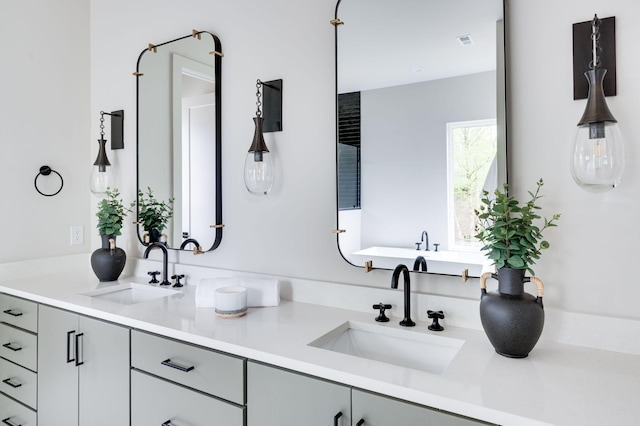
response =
{"points": [[421, 129], [179, 137]]}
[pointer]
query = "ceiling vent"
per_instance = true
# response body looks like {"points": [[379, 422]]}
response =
{"points": [[465, 40]]}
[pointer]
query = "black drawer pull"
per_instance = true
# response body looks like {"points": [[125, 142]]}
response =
{"points": [[360, 423], [13, 314], [11, 383], [79, 349], [167, 423], [8, 421], [168, 363], [13, 348], [336, 417], [69, 347]]}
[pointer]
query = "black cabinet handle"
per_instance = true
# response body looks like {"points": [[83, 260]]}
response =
{"points": [[13, 348], [69, 351], [168, 363], [11, 383], [8, 421], [336, 417], [12, 313], [360, 423], [79, 349], [167, 423]]}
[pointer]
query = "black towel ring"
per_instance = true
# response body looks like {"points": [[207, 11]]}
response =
{"points": [[46, 171]]}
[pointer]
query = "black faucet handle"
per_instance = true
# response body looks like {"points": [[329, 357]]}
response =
{"points": [[382, 317], [418, 245], [436, 316], [177, 278], [436, 245], [154, 277]]}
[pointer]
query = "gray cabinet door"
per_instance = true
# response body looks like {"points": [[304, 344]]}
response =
{"points": [[278, 397], [156, 402], [377, 410], [96, 391], [57, 378], [104, 374]]}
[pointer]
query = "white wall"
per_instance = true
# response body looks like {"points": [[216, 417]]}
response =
{"points": [[288, 233], [590, 263], [44, 120], [588, 269]]}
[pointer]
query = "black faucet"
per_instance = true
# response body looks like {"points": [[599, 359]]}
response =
{"points": [[197, 249], [165, 255], [406, 322], [425, 239], [420, 262], [189, 241]]}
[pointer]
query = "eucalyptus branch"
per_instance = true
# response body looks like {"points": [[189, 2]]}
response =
{"points": [[153, 213], [507, 230], [111, 213]]}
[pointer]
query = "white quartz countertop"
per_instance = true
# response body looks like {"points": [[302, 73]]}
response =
{"points": [[557, 384]]}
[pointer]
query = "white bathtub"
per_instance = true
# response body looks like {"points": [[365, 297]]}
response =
{"points": [[438, 262]]}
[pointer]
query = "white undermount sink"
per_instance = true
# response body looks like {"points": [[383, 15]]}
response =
{"points": [[130, 293], [410, 349]]}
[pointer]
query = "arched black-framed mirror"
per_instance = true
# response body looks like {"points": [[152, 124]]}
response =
{"points": [[179, 137], [421, 128]]}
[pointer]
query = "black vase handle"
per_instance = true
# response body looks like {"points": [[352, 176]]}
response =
{"points": [[483, 283], [538, 282]]}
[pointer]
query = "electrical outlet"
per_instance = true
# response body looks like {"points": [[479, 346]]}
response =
{"points": [[77, 235]]}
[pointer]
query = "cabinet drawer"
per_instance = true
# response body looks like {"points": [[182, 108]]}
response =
{"points": [[19, 383], [18, 346], [19, 312], [208, 371], [13, 413], [378, 410], [179, 405]]}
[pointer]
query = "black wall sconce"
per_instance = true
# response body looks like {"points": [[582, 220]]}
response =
{"points": [[598, 151], [101, 174], [258, 166]]}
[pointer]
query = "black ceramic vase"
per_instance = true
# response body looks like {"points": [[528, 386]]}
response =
{"points": [[512, 319], [108, 262], [155, 236]]}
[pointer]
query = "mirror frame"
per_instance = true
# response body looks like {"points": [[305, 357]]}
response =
{"points": [[501, 109], [218, 135]]}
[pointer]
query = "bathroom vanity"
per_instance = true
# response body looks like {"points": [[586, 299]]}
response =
{"points": [[163, 361]]}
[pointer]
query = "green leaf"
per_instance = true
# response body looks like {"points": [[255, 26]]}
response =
{"points": [[516, 262]]}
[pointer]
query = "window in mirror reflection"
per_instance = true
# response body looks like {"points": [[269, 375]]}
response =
{"points": [[471, 168], [349, 151]]}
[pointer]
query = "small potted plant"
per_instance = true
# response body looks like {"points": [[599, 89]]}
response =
{"points": [[511, 234], [108, 262], [153, 215]]}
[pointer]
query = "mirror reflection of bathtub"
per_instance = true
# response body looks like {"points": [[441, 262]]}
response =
{"points": [[417, 142], [438, 262]]}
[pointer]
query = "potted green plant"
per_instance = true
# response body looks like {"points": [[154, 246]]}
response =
{"points": [[509, 231], [511, 234], [108, 261], [111, 213], [153, 214]]}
